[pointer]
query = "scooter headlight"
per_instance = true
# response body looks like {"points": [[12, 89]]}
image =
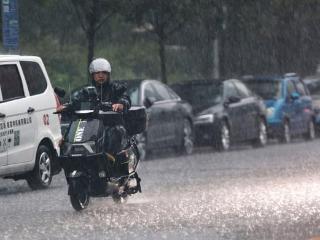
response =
{"points": [[78, 149], [84, 148]]}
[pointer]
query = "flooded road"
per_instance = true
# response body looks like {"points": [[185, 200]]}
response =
{"points": [[266, 193]]}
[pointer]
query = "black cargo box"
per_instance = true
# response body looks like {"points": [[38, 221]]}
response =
{"points": [[136, 120], [111, 118]]}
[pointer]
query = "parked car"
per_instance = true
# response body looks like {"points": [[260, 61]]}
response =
{"points": [[226, 112], [29, 131], [313, 85], [288, 103], [170, 120]]}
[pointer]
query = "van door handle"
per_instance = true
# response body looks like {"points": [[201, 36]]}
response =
{"points": [[30, 110], [2, 115]]}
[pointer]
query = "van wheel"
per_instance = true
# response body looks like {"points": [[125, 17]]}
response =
{"points": [[286, 134], [41, 175], [311, 133]]}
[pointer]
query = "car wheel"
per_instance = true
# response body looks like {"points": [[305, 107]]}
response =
{"points": [[141, 140], [41, 175], [311, 133], [262, 138], [223, 140], [286, 133], [187, 138]]}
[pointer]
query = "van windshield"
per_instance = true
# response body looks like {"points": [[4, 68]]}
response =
{"points": [[265, 89], [133, 91], [314, 87]]}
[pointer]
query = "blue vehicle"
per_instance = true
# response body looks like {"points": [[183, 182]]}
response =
{"points": [[289, 105], [313, 84]]}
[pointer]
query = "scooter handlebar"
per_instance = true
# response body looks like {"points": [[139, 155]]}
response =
{"points": [[106, 106]]}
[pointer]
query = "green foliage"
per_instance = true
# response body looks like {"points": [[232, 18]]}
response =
{"points": [[151, 38], [135, 60], [165, 18], [64, 65]]}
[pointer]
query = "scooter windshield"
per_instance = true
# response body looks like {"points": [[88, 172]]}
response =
{"points": [[83, 130]]}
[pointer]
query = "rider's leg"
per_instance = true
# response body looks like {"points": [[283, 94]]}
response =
{"points": [[115, 139]]}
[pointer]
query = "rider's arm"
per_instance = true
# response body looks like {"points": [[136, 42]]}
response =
{"points": [[123, 102], [122, 105]]}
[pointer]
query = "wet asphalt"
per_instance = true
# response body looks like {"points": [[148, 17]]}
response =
{"points": [[246, 193]]}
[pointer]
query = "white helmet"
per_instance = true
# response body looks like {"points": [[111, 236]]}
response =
{"points": [[99, 65]]}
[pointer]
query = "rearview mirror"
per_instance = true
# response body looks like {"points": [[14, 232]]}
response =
{"points": [[295, 96], [234, 99], [60, 92], [231, 100]]}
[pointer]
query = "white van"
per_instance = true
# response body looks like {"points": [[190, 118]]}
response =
{"points": [[29, 131]]}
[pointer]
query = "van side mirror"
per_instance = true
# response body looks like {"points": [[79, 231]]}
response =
{"points": [[149, 101]]}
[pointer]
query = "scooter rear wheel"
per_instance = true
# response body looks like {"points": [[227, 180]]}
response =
{"points": [[80, 201], [120, 198]]}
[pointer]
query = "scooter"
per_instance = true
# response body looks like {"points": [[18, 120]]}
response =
{"points": [[91, 171]]}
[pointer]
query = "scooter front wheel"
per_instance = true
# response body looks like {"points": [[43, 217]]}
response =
{"points": [[80, 201]]}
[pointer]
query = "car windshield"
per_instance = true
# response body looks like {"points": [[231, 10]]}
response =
{"points": [[314, 88], [200, 96], [265, 89], [133, 91]]}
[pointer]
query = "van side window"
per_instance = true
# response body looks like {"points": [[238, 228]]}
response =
{"points": [[290, 87], [10, 82], [35, 79], [301, 88]]}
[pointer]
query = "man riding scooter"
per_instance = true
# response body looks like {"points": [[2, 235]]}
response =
{"points": [[99, 154]]}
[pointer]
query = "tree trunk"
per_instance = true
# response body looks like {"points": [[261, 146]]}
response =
{"points": [[209, 54], [162, 55], [91, 42], [216, 60]]}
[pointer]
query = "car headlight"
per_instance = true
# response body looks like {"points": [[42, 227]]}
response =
{"points": [[206, 118], [270, 111]]}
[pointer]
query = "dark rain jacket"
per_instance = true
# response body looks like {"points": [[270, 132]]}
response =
{"points": [[113, 92], [107, 92]]}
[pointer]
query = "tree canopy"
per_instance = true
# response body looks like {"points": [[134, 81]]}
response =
{"points": [[171, 40]]}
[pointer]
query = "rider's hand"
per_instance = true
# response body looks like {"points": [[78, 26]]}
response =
{"points": [[117, 107]]}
